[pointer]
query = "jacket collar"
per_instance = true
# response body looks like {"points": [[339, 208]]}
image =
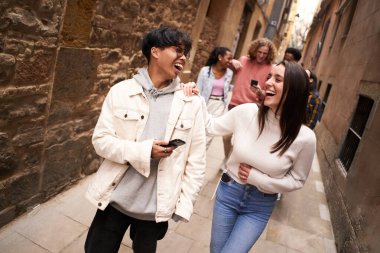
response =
{"points": [[179, 102], [134, 88]]}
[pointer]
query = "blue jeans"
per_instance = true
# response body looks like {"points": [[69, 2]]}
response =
{"points": [[241, 213]]}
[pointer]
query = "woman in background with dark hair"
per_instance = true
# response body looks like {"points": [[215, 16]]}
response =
{"points": [[272, 153], [314, 102], [214, 80]]}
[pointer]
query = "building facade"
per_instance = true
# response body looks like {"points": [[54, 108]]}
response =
{"points": [[343, 48], [235, 24]]}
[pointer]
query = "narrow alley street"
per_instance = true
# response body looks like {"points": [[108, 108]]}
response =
{"points": [[300, 222]]}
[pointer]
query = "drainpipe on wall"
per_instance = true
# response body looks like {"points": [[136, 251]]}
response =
{"points": [[274, 19]]}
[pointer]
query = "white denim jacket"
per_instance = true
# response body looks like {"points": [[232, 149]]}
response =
{"points": [[116, 138]]}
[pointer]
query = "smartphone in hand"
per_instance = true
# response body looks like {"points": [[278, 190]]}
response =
{"points": [[174, 143], [255, 88], [254, 83]]}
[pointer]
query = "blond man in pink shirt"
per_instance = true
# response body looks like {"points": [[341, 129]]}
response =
{"points": [[255, 66]]}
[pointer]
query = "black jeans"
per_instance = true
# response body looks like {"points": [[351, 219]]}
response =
{"points": [[108, 228]]}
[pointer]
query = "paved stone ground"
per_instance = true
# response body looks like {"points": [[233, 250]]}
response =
{"points": [[299, 224]]}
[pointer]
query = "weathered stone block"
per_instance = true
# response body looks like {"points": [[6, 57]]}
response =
{"points": [[113, 55], [20, 187], [63, 164], [77, 23], [31, 17], [32, 136], [60, 112], [22, 107], [75, 75], [91, 164], [8, 157], [57, 135], [35, 68], [7, 215], [132, 8], [31, 155], [7, 67], [91, 160], [85, 124], [17, 18]]}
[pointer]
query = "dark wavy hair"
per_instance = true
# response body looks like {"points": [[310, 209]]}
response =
{"points": [[165, 37], [292, 109], [214, 55]]}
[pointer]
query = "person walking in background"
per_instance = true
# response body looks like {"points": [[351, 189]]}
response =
{"points": [[142, 184], [214, 80], [272, 153], [292, 54], [314, 102]]}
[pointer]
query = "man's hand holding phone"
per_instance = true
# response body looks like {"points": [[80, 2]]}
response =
{"points": [[163, 149], [174, 143]]}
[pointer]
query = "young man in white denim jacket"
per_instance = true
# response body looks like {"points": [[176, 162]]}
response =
{"points": [[142, 184]]}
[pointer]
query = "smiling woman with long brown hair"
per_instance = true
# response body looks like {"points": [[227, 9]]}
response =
{"points": [[272, 153]]}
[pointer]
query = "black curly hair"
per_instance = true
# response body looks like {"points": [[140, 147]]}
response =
{"points": [[214, 55], [165, 37]]}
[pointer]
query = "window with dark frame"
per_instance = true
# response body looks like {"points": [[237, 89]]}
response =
{"points": [[355, 132], [341, 6], [324, 100], [322, 41], [257, 30], [319, 85], [347, 26]]}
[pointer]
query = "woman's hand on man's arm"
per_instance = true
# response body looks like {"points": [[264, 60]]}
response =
{"points": [[189, 88]]}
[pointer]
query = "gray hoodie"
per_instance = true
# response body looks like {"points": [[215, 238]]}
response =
{"points": [[136, 195]]}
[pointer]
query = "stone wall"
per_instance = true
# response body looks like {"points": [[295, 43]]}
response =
{"points": [[348, 61], [58, 59], [205, 45]]}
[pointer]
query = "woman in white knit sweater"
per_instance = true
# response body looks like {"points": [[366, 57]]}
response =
{"points": [[272, 153]]}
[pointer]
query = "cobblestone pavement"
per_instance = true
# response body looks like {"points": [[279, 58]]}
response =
{"points": [[300, 222]]}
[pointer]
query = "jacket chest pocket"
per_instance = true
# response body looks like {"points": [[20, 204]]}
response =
{"points": [[127, 123], [182, 129]]}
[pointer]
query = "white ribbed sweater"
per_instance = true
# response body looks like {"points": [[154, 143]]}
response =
{"points": [[270, 173]]}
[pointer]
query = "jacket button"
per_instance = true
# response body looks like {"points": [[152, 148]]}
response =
{"points": [[142, 116], [99, 204], [181, 125], [125, 115], [113, 184]]}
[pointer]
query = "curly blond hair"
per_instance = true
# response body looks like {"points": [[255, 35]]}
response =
{"points": [[256, 44]]}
